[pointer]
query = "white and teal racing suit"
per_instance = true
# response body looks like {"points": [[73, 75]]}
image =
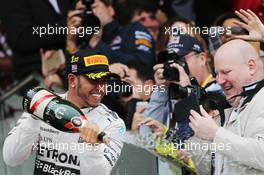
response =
{"points": [[61, 153]]}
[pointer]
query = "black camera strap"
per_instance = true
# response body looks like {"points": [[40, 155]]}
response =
{"points": [[249, 91], [172, 119]]}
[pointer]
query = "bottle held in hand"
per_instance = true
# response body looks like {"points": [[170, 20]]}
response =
{"points": [[55, 111]]}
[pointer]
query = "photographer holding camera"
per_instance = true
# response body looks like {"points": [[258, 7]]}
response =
{"points": [[191, 61], [121, 44], [166, 107]]}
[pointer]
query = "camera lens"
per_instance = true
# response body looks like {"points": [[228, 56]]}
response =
{"points": [[171, 74], [176, 91]]}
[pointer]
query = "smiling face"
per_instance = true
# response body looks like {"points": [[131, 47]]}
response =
{"points": [[234, 69], [86, 93], [230, 78], [91, 92]]}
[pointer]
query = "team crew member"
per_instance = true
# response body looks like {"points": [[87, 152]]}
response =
{"points": [[67, 153]]}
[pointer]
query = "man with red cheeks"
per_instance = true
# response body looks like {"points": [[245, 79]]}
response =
{"points": [[240, 73]]}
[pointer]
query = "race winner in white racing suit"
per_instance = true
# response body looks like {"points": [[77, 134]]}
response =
{"points": [[61, 153]]}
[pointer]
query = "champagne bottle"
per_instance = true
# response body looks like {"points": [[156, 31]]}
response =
{"points": [[55, 111]]}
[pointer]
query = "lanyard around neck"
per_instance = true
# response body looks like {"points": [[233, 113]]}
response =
{"points": [[207, 80]]}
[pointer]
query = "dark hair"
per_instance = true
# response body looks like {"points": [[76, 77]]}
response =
{"points": [[126, 9], [143, 72], [227, 15]]}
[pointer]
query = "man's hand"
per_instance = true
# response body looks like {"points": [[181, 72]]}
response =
{"points": [[137, 118], [252, 24], [49, 73], [103, 12], [159, 79], [89, 133], [183, 155], [119, 69], [203, 126], [80, 6], [44, 57], [184, 79], [53, 79], [157, 128], [73, 22], [47, 54]]}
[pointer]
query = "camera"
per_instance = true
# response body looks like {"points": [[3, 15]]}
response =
{"points": [[88, 18], [236, 30], [169, 57], [178, 92], [191, 97]]}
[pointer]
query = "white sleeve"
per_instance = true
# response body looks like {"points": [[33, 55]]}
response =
{"points": [[101, 160], [247, 151], [20, 140]]}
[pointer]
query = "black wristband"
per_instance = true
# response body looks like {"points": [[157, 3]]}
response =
{"points": [[101, 136]]}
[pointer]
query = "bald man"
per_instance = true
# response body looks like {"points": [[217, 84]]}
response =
{"points": [[240, 143]]}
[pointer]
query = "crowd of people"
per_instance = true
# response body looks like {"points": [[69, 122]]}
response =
{"points": [[129, 63]]}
